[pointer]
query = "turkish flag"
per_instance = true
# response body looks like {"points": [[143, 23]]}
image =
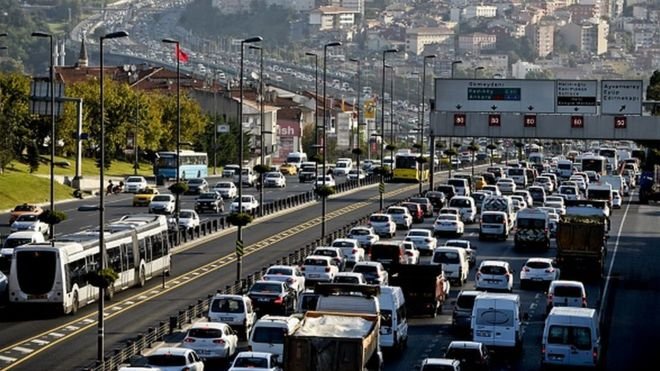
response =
{"points": [[181, 55]]}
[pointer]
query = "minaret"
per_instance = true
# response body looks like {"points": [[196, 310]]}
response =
{"points": [[82, 58]]}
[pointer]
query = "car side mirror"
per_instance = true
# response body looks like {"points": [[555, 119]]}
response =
{"points": [[525, 316]]}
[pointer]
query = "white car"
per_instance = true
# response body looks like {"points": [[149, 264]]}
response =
{"points": [[319, 268], [527, 197], [356, 174], [225, 189], [470, 250], [351, 249], [248, 204], [373, 272], [29, 222], [383, 224], [401, 216], [162, 204], [493, 189], [188, 219], [290, 274], [546, 183], [335, 253], [211, 340], [494, 275], [616, 199], [274, 179], [538, 270], [506, 185], [448, 224], [255, 361], [342, 168], [569, 192], [365, 235], [556, 199], [350, 277], [329, 181], [175, 359], [133, 184], [412, 253], [422, 239]]}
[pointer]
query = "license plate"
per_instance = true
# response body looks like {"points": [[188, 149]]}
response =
{"points": [[537, 279], [313, 276], [483, 333], [264, 299], [227, 319], [34, 297]]}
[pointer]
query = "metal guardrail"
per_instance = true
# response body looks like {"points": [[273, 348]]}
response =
{"points": [[134, 347]]}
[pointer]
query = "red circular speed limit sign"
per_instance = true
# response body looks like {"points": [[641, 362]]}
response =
{"points": [[620, 122], [494, 120], [529, 121], [577, 121], [459, 119]]}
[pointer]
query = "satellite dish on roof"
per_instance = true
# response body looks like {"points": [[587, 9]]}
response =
{"points": [[254, 75]]}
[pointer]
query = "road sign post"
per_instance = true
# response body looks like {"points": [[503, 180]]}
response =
{"points": [[494, 120]]}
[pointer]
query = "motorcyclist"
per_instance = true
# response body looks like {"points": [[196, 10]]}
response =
{"points": [[120, 187], [110, 187]]}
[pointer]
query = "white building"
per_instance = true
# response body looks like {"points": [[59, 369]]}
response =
{"points": [[520, 69], [418, 38], [476, 42], [357, 6], [485, 11], [331, 18], [589, 37]]}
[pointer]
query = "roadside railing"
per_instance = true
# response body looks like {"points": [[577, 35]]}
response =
{"points": [[134, 347]]}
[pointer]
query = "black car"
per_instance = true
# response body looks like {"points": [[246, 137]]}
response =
{"points": [[209, 201], [447, 189], [489, 178], [438, 199], [307, 174], [197, 186], [472, 355], [272, 297], [425, 203]]}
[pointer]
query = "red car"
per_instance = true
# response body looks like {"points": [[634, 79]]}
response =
{"points": [[415, 210]]}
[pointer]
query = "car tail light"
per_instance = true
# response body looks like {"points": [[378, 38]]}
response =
{"points": [[525, 269], [428, 240], [595, 355], [550, 298], [302, 268], [354, 251], [478, 275], [218, 341], [550, 270], [249, 348], [278, 300], [327, 269], [409, 253], [289, 280], [584, 301], [507, 275], [265, 278], [188, 340]]}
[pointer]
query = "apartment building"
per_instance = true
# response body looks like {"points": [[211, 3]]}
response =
{"points": [[418, 38]]}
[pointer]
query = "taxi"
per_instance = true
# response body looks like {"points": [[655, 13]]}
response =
{"points": [[288, 169], [144, 196]]}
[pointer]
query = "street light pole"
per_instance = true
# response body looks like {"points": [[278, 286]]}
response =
{"points": [[316, 99], [178, 132], [262, 129], [135, 135], [392, 112], [477, 69], [215, 122], [51, 234], [101, 324], [421, 125], [382, 130], [239, 233], [325, 133], [359, 87]]}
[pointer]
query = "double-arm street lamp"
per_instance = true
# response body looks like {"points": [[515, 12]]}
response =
{"points": [[262, 130], [239, 233], [421, 123], [325, 132], [382, 128], [100, 331], [359, 122], [51, 233]]}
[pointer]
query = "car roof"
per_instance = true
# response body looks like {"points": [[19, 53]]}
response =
{"points": [[368, 263], [566, 283], [440, 361], [499, 263], [465, 344], [171, 350], [213, 325], [254, 354], [318, 257], [544, 260]]}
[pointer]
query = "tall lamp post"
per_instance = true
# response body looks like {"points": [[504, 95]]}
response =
{"points": [[51, 233], [453, 67], [382, 128], [325, 131], [178, 131], [239, 233], [316, 97], [359, 91], [476, 70], [421, 124], [392, 112], [101, 325], [262, 130]]}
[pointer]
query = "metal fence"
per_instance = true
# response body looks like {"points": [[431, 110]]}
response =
{"points": [[133, 347]]}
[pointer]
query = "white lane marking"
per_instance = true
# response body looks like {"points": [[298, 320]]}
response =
{"points": [[532, 307], [616, 248], [87, 320], [56, 334], [40, 342], [71, 328], [7, 359], [22, 349]]}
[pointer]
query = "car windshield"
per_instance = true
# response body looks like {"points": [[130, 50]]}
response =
{"points": [[346, 279], [284, 271], [227, 306], [223, 185], [465, 301], [419, 233], [396, 211], [205, 333], [447, 217], [461, 244], [273, 175], [316, 262], [537, 265], [365, 269], [161, 198], [492, 218], [207, 196], [579, 337], [196, 181], [463, 353], [266, 287], [185, 214], [459, 202], [359, 232], [343, 244], [27, 218], [269, 335], [492, 269], [166, 360], [251, 362], [325, 252], [24, 208], [530, 223], [446, 257], [379, 218], [569, 291], [134, 180]]}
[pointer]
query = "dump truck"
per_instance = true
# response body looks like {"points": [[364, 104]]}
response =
{"points": [[334, 341], [581, 241], [424, 287]]}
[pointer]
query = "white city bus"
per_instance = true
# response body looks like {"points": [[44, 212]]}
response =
{"points": [[137, 248]]}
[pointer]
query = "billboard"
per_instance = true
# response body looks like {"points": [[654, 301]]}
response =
{"points": [[370, 109], [343, 130]]}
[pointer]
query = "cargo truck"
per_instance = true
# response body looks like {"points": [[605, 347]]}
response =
{"points": [[424, 287], [649, 185], [581, 244], [334, 341]]}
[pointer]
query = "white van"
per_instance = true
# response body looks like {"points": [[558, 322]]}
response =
{"points": [[461, 185], [571, 337], [519, 176], [234, 310], [494, 224], [466, 207], [393, 319], [269, 332], [565, 168], [296, 158], [500, 203], [497, 320], [455, 263], [13, 241]]}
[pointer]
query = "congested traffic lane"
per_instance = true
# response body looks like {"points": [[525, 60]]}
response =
{"points": [[131, 319], [118, 205], [430, 337]]}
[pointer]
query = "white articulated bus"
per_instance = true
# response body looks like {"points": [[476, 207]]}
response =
{"points": [[137, 248]]}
